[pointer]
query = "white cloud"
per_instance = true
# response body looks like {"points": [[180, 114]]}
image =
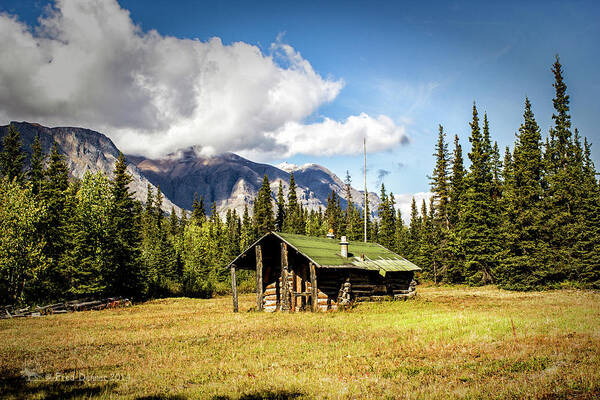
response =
{"points": [[87, 64], [404, 201]]}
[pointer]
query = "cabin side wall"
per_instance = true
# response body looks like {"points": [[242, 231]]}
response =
{"points": [[363, 285]]}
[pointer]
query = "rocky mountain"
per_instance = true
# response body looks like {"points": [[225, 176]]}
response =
{"points": [[84, 150], [227, 179], [233, 181]]}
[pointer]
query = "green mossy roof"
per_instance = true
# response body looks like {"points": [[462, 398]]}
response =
{"points": [[326, 254]]}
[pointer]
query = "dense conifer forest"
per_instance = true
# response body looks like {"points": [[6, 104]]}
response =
{"points": [[526, 219]]}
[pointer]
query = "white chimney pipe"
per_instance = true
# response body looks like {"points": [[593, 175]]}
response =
{"points": [[344, 247]]}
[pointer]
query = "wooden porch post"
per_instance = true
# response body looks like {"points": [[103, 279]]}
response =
{"points": [[234, 289], [259, 279], [285, 306], [313, 288]]}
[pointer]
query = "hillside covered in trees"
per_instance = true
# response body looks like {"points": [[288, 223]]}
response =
{"points": [[529, 219]]}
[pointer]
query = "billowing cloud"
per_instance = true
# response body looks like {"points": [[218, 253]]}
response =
{"points": [[404, 201], [88, 64]]}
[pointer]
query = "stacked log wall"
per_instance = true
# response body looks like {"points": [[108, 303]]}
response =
{"points": [[364, 286]]}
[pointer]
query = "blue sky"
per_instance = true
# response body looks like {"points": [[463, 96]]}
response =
{"points": [[419, 63]]}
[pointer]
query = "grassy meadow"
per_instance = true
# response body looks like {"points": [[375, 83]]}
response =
{"points": [[449, 342]]}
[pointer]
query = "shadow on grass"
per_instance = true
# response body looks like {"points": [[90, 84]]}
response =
{"points": [[13, 385], [268, 395]]}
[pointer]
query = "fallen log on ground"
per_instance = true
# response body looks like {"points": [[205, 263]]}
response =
{"points": [[63, 308]]}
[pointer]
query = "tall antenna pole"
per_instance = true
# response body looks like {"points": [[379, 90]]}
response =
{"points": [[366, 193]]}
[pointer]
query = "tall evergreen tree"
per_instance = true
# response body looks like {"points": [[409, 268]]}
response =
{"points": [[477, 222], [248, 233], [88, 253], [456, 190], [36, 168], [173, 223], [55, 225], [12, 157], [588, 244], [401, 245], [126, 277], [159, 216], [496, 166], [263, 209], [198, 213], [561, 187], [387, 222], [293, 214], [414, 232], [281, 212], [440, 185], [523, 255]]}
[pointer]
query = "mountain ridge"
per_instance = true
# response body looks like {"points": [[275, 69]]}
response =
{"points": [[229, 180]]}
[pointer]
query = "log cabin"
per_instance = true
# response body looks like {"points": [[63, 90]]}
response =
{"points": [[321, 274]]}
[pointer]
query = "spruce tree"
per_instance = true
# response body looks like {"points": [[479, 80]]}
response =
{"points": [[293, 213], [198, 213], [454, 254], [263, 209], [523, 254], [440, 185], [561, 188], [441, 207], [401, 245], [496, 166], [159, 216], [387, 223], [12, 157], [477, 222], [55, 225], [126, 277], [588, 244], [349, 213], [89, 251], [173, 223], [248, 232], [36, 167], [456, 183], [281, 212], [414, 233], [183, 219]]}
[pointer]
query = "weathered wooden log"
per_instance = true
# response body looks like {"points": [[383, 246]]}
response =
{"points": [[285, 294], [361, 292], [313, 286], [234, 289], [259, 277], [270, 303], [380, 298]]}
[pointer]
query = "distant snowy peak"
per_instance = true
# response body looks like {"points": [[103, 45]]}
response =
{"points": [[287, 167]]}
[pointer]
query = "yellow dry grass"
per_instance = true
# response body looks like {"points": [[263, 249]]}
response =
{"points": [[453, 342]]}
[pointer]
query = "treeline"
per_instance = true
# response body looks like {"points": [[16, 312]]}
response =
{"points": [[63, 238], [526, 220]]}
